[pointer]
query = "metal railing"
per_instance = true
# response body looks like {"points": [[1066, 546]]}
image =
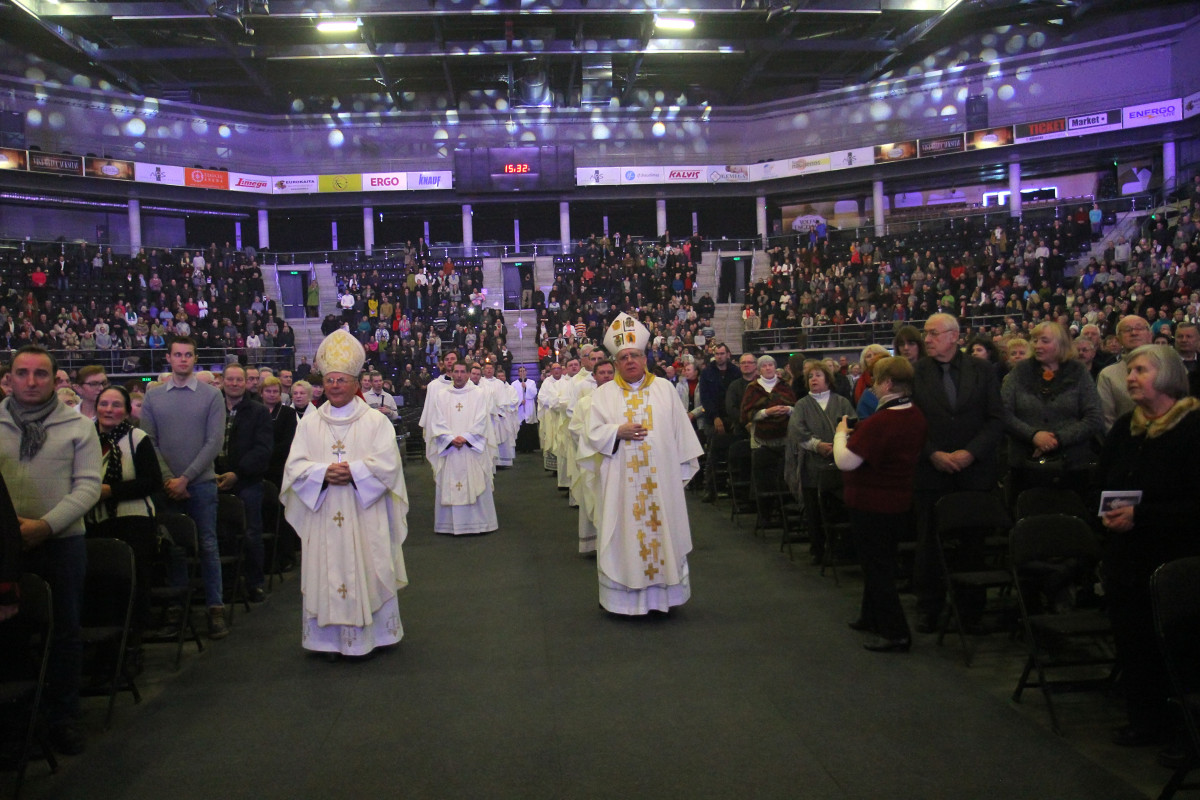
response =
{"points": [[827, 337], [142, 362]]}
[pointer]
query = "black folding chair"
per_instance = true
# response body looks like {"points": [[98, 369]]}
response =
{"points": [[1177, 624], [108, 595], [1048, 500], [272, 513], [739, 469], [25, 639], [177, 540], [971, 529], [1052, 556], [835, 520], [231, 544]]}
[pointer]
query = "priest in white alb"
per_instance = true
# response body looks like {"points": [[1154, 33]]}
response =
{"points": [[504, 413], [442, 381], [585, 483], [580, 386], [462, 460], [648, 452], [547, 401], [343, 491]]}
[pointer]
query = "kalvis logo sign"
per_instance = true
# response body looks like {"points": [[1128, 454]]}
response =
{"points": [[683, 175]]}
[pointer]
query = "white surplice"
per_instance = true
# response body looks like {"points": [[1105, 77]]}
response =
{"points": [[431, 392], [585, 482], [582, 385], [463, 498], [504, 418], [352, 563], [548, 427], [643, 532]]}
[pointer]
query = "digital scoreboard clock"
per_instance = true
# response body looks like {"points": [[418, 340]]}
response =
{"points": [[514, 169]]}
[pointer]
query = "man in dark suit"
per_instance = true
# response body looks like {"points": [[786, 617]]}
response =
{"points": [[960, 398]]}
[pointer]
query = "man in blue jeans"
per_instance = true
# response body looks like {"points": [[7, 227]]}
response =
{"points": [[185, 419], [242, 463], [50, 461]]}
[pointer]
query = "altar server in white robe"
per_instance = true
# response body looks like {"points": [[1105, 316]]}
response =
{"points": [[547, 400], [649, 452], [586, 481], [526, 390], [462, 461], [581, 385], [343, 491], [504, 413], [564, 398], [435, 386]]}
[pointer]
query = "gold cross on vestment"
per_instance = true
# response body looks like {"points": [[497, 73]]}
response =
{"points": [[342, 591], [655, 523], [339, 449], [643, 551], [339, 519], [458, 406], [651, 571], [458, 486]]}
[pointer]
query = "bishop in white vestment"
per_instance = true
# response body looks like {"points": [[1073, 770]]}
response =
{"points": [[649, 452], [462, 460], [344, 493]]}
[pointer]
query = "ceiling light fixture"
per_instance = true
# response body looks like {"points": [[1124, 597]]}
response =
{"points": [[338, 25], [674, 23]]}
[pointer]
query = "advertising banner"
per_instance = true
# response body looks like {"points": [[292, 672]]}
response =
{"points": [[729, 173], [1097, 122], [895, 151], [1152, 113], [205, 178], [598, 176], [13, 159], [1040, 131], [384, 181], [631, 175], [108, 168], [242, 182], [294, 184], [990, 137], [940, 146], [55, 164], [1191, 105], [158, 173], [350, 182], [430, 180], [854, 157], [685, 174], [807, 165]]}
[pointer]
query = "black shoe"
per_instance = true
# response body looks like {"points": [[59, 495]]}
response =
{"points": [[860, 625], [257, 595], [882, 645], [1129, 736], [68, 739], [928, 623]]}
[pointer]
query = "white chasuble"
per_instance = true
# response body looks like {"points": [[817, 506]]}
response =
{"points": [[586, 481], [643, 532], [353, 562], [463, 502]]}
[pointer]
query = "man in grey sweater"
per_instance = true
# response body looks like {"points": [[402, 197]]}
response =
{"points": [[50, 460], [186, 421]]}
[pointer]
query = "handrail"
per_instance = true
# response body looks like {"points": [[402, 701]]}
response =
{"points": [[851, 335], [147, 362]]}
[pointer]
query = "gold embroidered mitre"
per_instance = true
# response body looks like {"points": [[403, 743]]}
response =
{"points": [[625, 332], [340, 352]]}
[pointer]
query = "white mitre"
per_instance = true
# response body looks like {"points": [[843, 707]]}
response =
{"points": [[340, 352], [626, 332]]}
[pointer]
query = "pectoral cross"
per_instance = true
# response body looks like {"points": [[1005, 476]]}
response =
{"points": [[339, 449], [339, 519], [342, 591]]}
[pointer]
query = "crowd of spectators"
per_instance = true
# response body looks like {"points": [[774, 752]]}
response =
{"points": [[85, 299]]}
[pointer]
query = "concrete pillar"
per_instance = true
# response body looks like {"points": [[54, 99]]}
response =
{"points": [[468, 228], [264, 230], [135, 225], [1169, 166], [660, 210], [368, 229], [877, 212], [760, 214], [1014, 189], [564, 224]]}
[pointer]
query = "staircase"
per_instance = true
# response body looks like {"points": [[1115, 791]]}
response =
{"points": [[308, 331], [728, 326], [1128, 225]]}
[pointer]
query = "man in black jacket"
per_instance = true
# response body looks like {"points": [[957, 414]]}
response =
{"points": [[714, 384], [242, 464], [960, 398]]}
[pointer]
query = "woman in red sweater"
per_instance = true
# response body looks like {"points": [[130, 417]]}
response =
{"points": [[879, 460]]}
